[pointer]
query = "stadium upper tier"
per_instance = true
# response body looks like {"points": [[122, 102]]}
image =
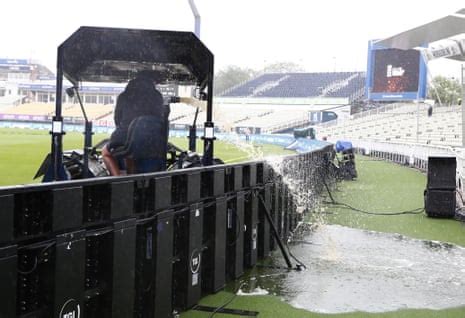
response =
{"points": [[295, 85], [398, 123]]}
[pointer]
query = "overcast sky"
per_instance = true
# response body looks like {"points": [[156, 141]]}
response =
{"points": [[322, 35]]}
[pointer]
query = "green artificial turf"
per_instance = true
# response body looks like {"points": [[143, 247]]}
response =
{"points": [[388, 187], [23, 150]]}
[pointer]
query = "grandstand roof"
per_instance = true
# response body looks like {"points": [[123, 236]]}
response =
{"points": [[115, 55], [440, 29], [15, 62], [25, 66]]}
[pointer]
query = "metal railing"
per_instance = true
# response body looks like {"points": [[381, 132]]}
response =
{"points": [[413, 154]]}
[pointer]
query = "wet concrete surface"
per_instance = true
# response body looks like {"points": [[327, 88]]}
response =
{"points": [[356, 270]]}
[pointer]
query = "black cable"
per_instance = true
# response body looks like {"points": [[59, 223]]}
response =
{"points": [[182, 210], [347, 206], [329, 192], [231, 196], [209, 204], [228, 302], [34, 267], [36, 260]]}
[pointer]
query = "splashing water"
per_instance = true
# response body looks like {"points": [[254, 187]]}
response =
{"points": [[303, 183], [252, 150], [356, 270], [304, 193]]}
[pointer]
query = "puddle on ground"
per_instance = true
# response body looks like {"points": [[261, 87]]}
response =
{"points": [[357, 270]]}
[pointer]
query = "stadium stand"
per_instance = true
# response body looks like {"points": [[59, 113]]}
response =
{"points": [[295, 85], [285, 101], [189, 119], [269, 100], [398, 123], [180, 110], [94, 111], [276, 121], [248, 87], [31, 109]]}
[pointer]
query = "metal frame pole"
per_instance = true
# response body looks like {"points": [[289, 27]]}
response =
{"points": [[57, 124], [209, 126], [463, 106]]}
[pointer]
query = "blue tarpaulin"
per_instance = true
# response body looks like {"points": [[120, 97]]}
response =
{"points": [[299, 145], [342, 145]]}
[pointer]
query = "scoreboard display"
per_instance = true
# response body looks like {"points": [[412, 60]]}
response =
{"points": [[395, 75]]}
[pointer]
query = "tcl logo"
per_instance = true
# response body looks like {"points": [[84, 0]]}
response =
{"points": [[71, 309], [70, 315]]}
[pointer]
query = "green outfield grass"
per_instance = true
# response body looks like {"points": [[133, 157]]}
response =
{"points": [[388, 187], [22, 151], [230, 153], [273, 307], [381, 186]]}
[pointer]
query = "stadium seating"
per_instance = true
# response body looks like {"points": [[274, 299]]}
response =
{"points": [[267, 117], [247, 88], [228, 116], [399, 123], [37, 109], [275, 121], [93, 111], [294, 85], [180, 110]]}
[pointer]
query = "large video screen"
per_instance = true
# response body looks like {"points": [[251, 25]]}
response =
{"points": [[396, 71], [395, 74]]}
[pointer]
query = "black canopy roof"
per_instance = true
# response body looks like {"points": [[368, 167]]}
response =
{"points": [[94, 54]]}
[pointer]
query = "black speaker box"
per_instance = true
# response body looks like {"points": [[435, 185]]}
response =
{"points": [[8, 277], [69, 270], [440, 203], [214, 236], [163, 254], [441, 172], [124, 259], [235, 237], [187, 278], [251, 230]]}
